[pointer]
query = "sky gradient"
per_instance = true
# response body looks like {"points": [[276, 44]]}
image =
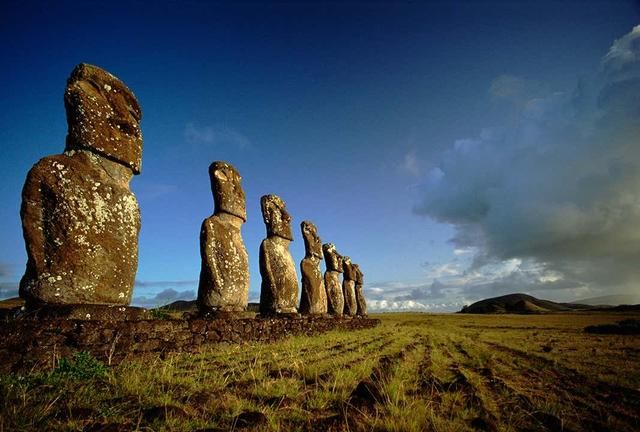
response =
{"points": [[454, 150]]}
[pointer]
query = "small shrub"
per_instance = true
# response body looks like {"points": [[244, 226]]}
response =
{"points": [[624, 327], [159, 314], [83, 366]]}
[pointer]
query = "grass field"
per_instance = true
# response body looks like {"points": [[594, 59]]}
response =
{"points": [[414, 372]]}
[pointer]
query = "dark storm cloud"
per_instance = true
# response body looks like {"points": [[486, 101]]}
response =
{"points": [[559, 186], [433, 291]]}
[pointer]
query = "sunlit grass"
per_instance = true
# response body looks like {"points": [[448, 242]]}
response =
{"points": [[434, 372]]}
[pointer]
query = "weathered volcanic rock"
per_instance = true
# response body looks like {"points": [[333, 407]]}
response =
{"points": [[80, 220], [360, 300], [313, 299], [335, 296], [349, 287], [224, 274], [279, 291], [103, 116]]}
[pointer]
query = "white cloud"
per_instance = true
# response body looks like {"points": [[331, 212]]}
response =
{"points": [[410, 305], [411, 164], [215, 135], [462, 251]]}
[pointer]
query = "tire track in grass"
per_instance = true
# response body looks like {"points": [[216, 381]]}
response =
{"points": [[479, 404], [516, 409], [263, 356], [275, 371], [284, 390], [592, 404], [222, 360], [340, 372], [370, 396], [500, 402]]}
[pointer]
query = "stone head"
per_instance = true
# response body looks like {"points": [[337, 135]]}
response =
{"points": [[346, 262], [312, 243], [103, 116], [332, 257], [275, 217], [228, 195], [358, 273], [348, 269]]}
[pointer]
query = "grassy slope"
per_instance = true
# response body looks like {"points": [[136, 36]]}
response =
{"points": [[421, 372]]}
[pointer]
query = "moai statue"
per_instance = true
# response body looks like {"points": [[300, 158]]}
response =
{"points": [[348, 287], [314, 296], [335, 296], [224, 274], [279, 291], [362, 304], [80, 220]]}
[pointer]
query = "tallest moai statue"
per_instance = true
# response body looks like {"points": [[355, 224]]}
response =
{"points": [[80, 220]]}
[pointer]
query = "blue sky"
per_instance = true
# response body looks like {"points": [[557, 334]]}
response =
{"points": [[452, 149]]}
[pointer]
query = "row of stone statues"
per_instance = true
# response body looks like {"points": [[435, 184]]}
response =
{"points": [[224, 274], [81, 223]]}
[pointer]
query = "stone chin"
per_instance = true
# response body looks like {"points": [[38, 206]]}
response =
{"points": [[283, 232], [233, 212], [134, 163]]}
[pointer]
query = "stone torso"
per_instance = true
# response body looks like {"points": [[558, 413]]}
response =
{"points": [[349, 292], [314, 296], [335, 297], [224, 275], [81, 223], [362, 304], [279, 292], [360, 300], [348, 289]]}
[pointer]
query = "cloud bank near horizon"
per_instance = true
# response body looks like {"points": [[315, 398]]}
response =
{"points": [[551, 199]]}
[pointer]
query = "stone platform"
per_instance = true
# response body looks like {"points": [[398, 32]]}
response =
{"points": [[36, 344]]}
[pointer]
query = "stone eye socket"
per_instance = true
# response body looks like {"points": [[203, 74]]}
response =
{"points": [[221, 176], [133, 113]]}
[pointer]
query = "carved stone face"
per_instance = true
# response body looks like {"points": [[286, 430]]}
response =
{"points": [[275, 217], [348, 269], [312, 243], [103, 116], [346, 263], [332, 257], [228, 194], [358, 273]]}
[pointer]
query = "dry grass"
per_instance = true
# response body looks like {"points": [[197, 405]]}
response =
{"points": [[415, 372]]}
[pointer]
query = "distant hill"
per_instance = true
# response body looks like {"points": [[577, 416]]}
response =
{"points": [[190, 306], [520, 304], [612, 300]]}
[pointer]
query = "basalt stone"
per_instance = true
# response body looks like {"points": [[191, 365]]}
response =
{"points": [[80, 220], [87, 312], [279, 291], [224, 274], [313, 299], [335, 296], [349, 287], [103, 116], [360, 300]]}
